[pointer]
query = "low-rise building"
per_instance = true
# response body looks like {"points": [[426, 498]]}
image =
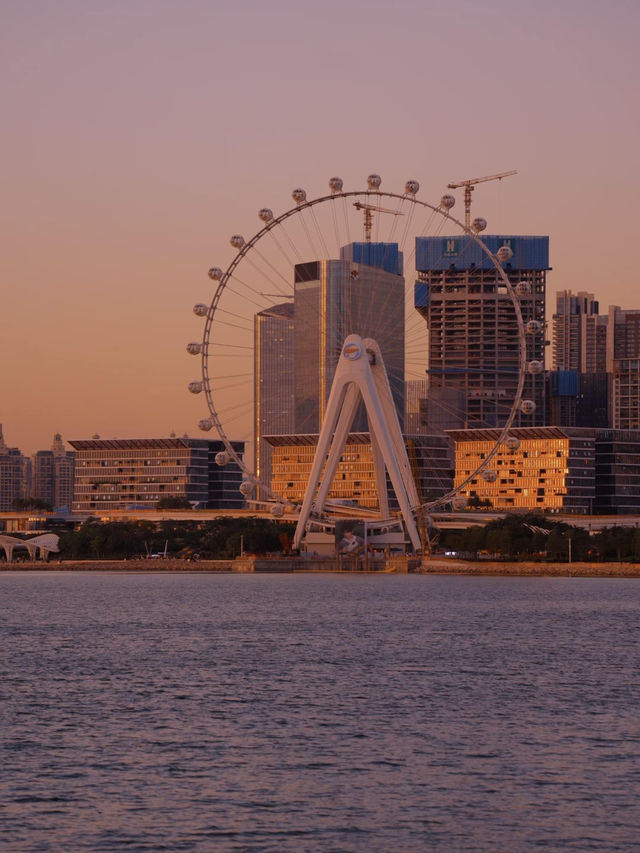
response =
{"points": [[137, 473], [559, 469], [553, 468], [617, 471], [355, 480]]}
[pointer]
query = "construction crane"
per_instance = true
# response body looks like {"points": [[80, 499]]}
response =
{"points": [[469, 187], [368, 216]]}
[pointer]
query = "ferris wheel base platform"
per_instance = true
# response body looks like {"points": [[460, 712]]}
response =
{"points": [[364, 562]]}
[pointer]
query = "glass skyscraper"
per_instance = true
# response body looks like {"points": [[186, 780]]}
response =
{"points": [[274, 386], [362, 293], [298, 344]]}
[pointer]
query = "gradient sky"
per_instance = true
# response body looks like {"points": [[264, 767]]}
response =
{"points": [[138, 135]]}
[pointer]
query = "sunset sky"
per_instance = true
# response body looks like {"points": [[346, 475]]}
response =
{"points": [[138, 135]]}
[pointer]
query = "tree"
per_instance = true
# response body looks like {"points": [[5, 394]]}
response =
{"points": [[32, 503], [173, 502], [476, 502]]}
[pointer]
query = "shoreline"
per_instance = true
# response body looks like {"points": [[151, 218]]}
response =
{"points": [[528, 568], [427, 567]]}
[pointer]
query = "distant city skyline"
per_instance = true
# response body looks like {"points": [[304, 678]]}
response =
{"points": [[139, 136], [555, 332]]}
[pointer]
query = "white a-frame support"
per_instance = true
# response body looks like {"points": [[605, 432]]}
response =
{"points": [[361, 375]]}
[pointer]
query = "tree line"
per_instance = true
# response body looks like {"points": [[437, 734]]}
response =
{"points": [[535, 536], [515, 537], [218, 539]]}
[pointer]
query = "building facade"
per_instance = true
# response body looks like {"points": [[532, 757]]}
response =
{"points": [[415, 406], [298, 344], [579, 333], [137, 473], [617, 472], [430, 458], [552, 469], [53, 474], [626, 393], [561, 469], [362, 293], [473, 333], [623, 364], [577, 399], [274, 400], [15, 475]]}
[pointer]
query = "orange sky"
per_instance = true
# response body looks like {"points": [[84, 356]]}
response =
{"points": [[138, 135]]}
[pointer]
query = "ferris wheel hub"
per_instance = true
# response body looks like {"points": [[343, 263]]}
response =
{"points": [[277, 303]]}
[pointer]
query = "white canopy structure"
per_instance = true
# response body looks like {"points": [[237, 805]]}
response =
{"points": [[46, 544]]}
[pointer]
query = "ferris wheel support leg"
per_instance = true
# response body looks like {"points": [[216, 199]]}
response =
{"points": [[381, 480], [383, 420], [394, 432], [354, 377], [345, 420], [336, 400]]}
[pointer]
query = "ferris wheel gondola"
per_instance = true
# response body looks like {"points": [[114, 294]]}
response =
{"points": [[260, 278]]}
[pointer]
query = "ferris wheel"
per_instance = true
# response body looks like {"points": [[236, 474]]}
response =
{"points": [[262, 325]]}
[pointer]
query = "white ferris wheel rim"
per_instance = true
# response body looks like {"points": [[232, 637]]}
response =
{"points": [[216, 421]]}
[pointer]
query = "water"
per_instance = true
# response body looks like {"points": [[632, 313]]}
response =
{"points": [[318, 713]]}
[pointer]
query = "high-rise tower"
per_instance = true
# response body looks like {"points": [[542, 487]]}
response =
{"points": [[53, 474], [473, 334], [274, 405], [363, 294], [623, 363], [579, 384], [579, 333], [14, 475], [298, 344]]}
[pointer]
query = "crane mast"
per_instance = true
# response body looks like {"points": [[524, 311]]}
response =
{"points": [[469, 186], [368, 216]]}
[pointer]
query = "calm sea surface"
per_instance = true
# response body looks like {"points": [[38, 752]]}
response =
{"points": [[318, 713]]}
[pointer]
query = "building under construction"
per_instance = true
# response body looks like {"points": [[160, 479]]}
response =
{"points": [[473, 361]]}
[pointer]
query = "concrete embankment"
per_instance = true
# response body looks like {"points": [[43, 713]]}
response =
{"points": [[530, 569], [396, 565], [141, 565]]}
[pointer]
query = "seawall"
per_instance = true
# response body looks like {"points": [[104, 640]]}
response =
{"points": [[397, 565]]}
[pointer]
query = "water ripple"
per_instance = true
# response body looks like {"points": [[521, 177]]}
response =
{"points": [[320, 713]]}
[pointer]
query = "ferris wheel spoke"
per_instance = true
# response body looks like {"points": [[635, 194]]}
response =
{"points": [[246, 301], [219, 388], [319, 232], [423, 232], [261, 305], [416, 334], [307, 232], [220, 345], [274, 269], [345, 213], [282, 227], [278, 293], [234, 376], [234, 314], [336, 227], [407, 227], [411, 352], [236, 408], [229, 325], [288, 260]]}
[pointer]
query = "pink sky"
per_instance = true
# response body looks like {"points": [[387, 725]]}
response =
{"points": [[138, 135]]}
